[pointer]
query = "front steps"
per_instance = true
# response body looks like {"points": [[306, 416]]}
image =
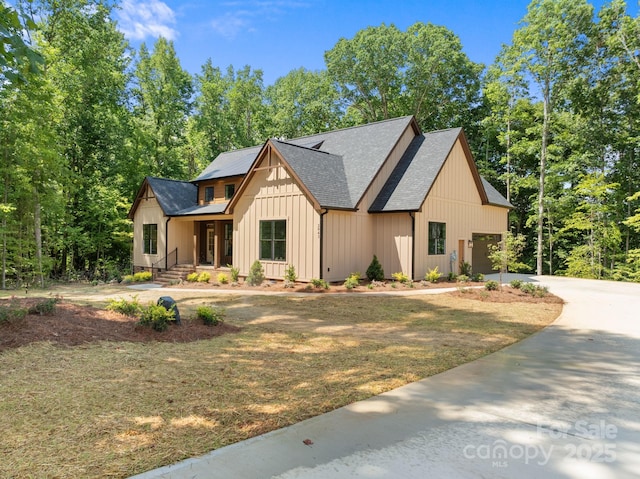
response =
{"points": [[174, 275]]}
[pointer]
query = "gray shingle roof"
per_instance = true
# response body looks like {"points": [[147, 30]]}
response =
{"points": [[230, 163], [210, 209], [173, 195], [408, 185], [494, 196]]}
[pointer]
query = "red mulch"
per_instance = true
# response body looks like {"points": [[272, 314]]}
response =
{"points": [[506, 295], [71, 325]]}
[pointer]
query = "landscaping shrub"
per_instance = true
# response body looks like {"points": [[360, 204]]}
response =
{"points": [[157, 317], [400, 277], [290, 275], [256, 274], [209, 315], [46, 307], [477, 277], [12, 313], [319, 283], [222, 278], [128, 308], [353, 281], [462, 278], [534, 290], [433, 275], [192, 277], [204, 277], [235, 273], [491, 285], [127, 279], [375, 271], [452, 277], [465, 269], [142, 276], [516, 284]]}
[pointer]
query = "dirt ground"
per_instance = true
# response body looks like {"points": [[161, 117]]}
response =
{"points": [[73, 324]]}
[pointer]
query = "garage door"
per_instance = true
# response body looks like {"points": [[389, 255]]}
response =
{"points": [[480, 255]]}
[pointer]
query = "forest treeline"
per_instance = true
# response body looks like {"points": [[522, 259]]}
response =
{"points": [[554, 123]]}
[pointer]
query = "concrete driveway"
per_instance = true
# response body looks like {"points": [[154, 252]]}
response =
{"points": [[564, 403]]}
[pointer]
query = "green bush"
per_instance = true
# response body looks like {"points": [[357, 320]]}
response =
{"points": [[235, 273], [127, 279], [157, 317], [534, 290], [491, 285], [142, 276], [319, 283], [400, 277], [209, 315], [516, 284], [375, 271], [256, 274], [46, 307], [462, 278], [353, 281], [290, 275], [128, 308], [192, 277], [433, 275], [465, 268], [204, 277], [12, 313], [222, 278], [452, 277], [477, 277]]}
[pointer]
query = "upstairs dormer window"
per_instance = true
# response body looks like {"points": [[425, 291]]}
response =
{"points": [[208, 194], [229, 190]]}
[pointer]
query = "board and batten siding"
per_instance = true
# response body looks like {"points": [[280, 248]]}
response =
{"points": [[181, 234], [148, 212], [352, 238], [272, 194], [455, 201], [394, 242]]}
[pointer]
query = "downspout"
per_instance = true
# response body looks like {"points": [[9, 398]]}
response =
{"points": [[322, 243], [413, 243], [166, 244]]}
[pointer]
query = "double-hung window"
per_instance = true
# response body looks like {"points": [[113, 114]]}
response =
{"points": [[273, 240], [229, 190], [208, 194], [150, 238], [437, 237]]}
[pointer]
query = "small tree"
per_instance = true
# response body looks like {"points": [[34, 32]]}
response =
{"points": [[375, 271], [505, 256], [256, 274]]}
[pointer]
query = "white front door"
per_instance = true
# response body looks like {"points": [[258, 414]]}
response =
{"points": [[211, 239]]}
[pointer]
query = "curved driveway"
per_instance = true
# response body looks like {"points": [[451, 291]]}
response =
{"points": [[564, 403]]}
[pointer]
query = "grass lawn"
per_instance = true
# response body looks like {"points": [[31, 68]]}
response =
{"points": [[114, 409]]}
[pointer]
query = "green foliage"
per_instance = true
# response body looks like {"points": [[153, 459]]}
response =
{"points": [[45, 307], [222, 278], [433, 275], [491, 285], [11, 313], [462, 278], [123, 306], [209, 315], [452, 277], [319, 283], [127, 279], [204, 277], [157, 317], [505, 256], [192, 277], [235, 273], [353, 281], [477, 277], [400, 277], [465, 268], [142, 276], [516, 284], [256, 274], [290, 275], [375, 272], [534, 290]]}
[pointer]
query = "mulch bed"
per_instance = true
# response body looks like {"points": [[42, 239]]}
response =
{"points": [[506, 295], [72, 325]]}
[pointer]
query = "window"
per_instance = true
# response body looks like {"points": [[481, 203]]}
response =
{"points": [[150, 238], [229, 190], [437, 237], [208, 194], [273, 240]]}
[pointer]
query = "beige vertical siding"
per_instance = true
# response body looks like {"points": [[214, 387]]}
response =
{"points": [[148, 212], [181, 236], [218, 188], [393, 242], [272, 194], [454, 200]]}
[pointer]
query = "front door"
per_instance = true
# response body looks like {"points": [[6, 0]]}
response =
{"points": [[227, 247], [211, 241]]}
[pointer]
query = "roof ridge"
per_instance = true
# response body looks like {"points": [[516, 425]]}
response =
{"points": [[304, 147], [167, 179], [352, 127], [442, 130]]}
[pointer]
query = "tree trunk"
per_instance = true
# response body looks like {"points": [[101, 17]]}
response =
{"points": [[543, 166], [38, 234], [4, 234]]}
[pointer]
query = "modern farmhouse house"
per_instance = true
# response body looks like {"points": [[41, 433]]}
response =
{"points": [[326, 204]]}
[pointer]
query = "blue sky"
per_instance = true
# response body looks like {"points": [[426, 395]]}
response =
{"points": [[278, 36]]}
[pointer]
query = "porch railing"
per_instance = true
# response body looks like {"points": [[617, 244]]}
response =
{"points": [[165, 263]]}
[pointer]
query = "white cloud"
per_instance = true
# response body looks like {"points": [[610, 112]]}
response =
{"points": [[152, 18], [241, 17]]}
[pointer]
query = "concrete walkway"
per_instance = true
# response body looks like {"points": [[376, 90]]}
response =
{"points": [[561, 404]]}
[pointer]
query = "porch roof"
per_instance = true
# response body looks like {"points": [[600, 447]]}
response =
{"points": [[210, 209]]}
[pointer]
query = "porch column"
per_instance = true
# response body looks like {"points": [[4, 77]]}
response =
{"points": [[195, 251], [216, 256]]}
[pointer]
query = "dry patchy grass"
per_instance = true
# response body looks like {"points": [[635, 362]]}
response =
{"points": [[113, 409]]}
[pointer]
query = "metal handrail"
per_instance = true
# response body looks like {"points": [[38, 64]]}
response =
{"points": [[167, 265]]}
